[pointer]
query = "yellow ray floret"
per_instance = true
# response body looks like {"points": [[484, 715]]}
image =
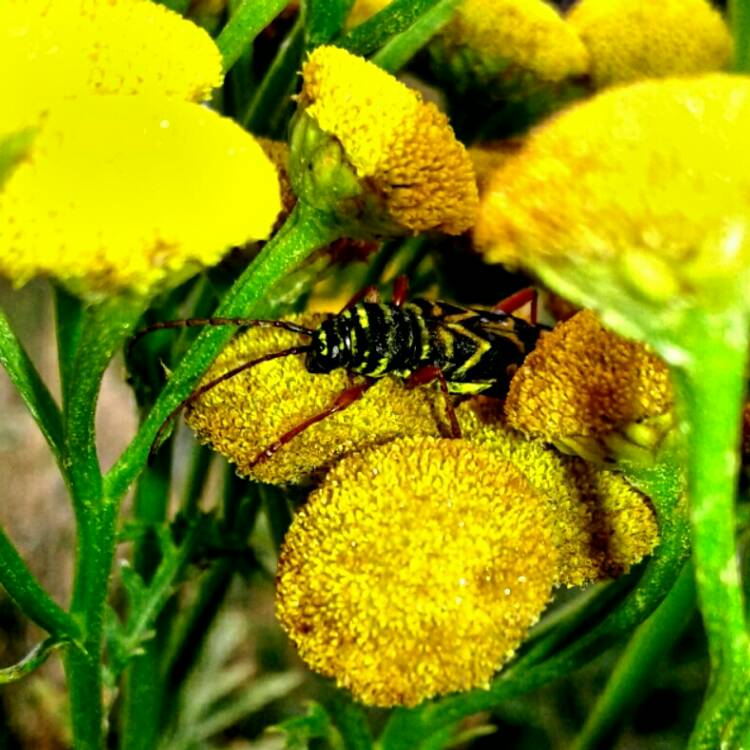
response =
{"points": [[52, 51], [133, 193], [592, 392], [637, 191], [632, 39], [415, 570], [245, 415], [601, 524], [401, 147], [516, 37]]}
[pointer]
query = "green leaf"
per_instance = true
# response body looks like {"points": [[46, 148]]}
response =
{"points": [[376, 31], [739, 15], [300, 730], [31, 388], [401, 48], [250, 18], [324, 20], [32, 661]]}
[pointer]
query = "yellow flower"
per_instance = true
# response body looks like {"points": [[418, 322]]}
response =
{"points": [[415, 570], [132, 193], [512, 43], [632, 39], [592, 393], [278, 153], [370, 149], [601, 524], [245, 415], [52, 51], [637, 194]]}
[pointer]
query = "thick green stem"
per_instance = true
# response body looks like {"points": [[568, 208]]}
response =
{"points": [[104, 328], [635, 667], [710, 387], [304, 232]]}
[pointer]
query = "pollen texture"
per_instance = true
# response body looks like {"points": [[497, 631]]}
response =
{"points": [[133, 193], [52, 51], [402, 146], [602, 526], [632, 39], [246, 414], [592, 391], [526, 37], [637, 191], [415, 570]]}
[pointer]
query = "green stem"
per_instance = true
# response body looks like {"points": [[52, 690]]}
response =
{"points": [[31, 388], [739, 14], [710, 390], [26, 591], [277, 82], [104, 328], [304, 231], [141, 705], [397, 52], [250, 18], [635, 667]]}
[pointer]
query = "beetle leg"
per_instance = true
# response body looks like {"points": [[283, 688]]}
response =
{"points": [[344, 400], [430, 374], [517, 300]]}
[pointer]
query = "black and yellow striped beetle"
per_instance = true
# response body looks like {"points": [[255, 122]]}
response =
{"points": [[466, 350]]}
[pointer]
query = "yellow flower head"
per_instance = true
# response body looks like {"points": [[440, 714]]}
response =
{"points": [[370, 149], [592, 393], [510, 44], [415, 570], [632, 39], [278, 153], [246, 414], [601, 524], [132, 193], [52, 51], [636, 194]]}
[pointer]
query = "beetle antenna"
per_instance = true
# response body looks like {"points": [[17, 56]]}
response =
{"points": [[194, 322], [211, 384]]}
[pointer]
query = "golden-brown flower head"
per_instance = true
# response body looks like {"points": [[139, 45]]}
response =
{"points": [[632, 39], [132, 193], [246, 414], [601, 524], [636, 196], [510, 46], [53, 51], [367, 148], [592, 393], [415, 570]]}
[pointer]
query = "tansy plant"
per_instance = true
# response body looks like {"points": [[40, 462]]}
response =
{"points": [[451, 544]]}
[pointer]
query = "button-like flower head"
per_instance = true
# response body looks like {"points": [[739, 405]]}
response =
{"points": [[510, 46], [52, 51], [602, 525], [368, 149], [415, 570], [132, 194], [247, 413], [592, 393], [632, 39], [636, 196]]}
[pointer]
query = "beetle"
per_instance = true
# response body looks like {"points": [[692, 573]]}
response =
{"points": [[466, 350]]}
